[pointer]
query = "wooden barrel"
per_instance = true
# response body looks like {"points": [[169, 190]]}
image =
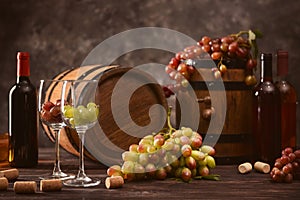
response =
{"points": [[139, 106], [234, 143]]}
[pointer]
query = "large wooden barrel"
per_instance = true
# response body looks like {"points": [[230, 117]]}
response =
{"points": [[233, 143], [139, 106]]}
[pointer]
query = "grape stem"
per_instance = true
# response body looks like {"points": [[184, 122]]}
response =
{"points": [[171, 129]]}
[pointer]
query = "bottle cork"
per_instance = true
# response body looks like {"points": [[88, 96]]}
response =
{"points": [[25, 187], [262, 167], [50, 185], [11, 174], [3, 183], [114, 182], [245, 167]]}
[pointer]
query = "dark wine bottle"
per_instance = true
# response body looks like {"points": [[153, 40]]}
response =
{"points": [[266, 115], [23, 121], [288, 102]]}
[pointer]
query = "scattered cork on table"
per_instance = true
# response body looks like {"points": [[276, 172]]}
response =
{"points": [[50, 185], [3, 183], [245, 168], [10, 174], [114, 182], [25, 187], [262, 167]]}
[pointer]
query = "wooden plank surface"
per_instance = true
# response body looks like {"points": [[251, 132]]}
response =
{"points": [[231, 186]]}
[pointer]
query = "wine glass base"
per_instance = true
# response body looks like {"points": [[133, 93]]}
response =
{"points": [[58, 175], [82, 182]]}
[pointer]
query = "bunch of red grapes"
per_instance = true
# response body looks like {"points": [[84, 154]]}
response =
{"points": [[287, 167], [231, 51], [51, 113]]}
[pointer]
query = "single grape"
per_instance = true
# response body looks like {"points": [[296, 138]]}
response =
{"points": [[198, 155], [206, 48], [46, 116], [203, 170], [183, 140], [150, 170], [168, 145], [133, 148], [208, 150], [130, 156], [112, 170], [210, 162], [158, 141], [251, 63], [284, 159], [297, 153], [55, 111], [153, 158], [288, 178], [215, 47], [161, 174], [127, 167], [223, 68], [174, 62], [47, 105], [190, 162], [224, 47], [287, 168], [233, 47], [216, 55], [205, 40], [250, 80], [186, 174], [187, 131], [186, 150], [143, 159]]}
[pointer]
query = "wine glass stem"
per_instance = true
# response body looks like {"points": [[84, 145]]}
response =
{"points": [[57, 169], [81, 172]]}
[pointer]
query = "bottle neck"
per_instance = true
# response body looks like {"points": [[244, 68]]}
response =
{"points": [[23, 67], [282, 64], [266, 69], [23, 79]]}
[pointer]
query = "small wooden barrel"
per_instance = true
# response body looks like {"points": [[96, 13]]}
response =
{"points": [[234, 143], [139, 106]]}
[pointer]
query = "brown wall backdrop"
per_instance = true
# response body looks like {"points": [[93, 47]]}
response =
{"points": [[59, 34]]}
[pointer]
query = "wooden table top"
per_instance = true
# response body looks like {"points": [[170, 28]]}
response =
{"points": [[231, 186]]}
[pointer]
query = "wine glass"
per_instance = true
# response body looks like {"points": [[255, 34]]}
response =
{"points": [[50, 115], [80, 112]]}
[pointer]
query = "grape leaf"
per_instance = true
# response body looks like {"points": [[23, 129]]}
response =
{"points": [[214, 177]]}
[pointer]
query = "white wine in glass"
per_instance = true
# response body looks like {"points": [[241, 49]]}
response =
{"points": [[80, 112]]}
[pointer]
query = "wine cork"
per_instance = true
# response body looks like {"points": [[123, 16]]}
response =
{"points": [[11, 174], [262, 167], [3, 183], [245, 167], [25, 187], [114, 182], [50, 185]]}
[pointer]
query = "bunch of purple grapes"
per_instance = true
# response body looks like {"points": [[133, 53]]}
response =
{"points": [[235, 50], [287, 167]]}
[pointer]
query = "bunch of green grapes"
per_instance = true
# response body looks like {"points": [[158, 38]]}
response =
{"points": [[81, 115], [175, 153]]}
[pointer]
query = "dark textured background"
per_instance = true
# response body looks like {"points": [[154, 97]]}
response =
{"points": [[60, 33]]}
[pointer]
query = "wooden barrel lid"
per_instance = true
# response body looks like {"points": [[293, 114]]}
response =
{"points": [[128, 100]]}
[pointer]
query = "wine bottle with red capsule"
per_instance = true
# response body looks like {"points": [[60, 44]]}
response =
{"points": [[23, 121]]}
